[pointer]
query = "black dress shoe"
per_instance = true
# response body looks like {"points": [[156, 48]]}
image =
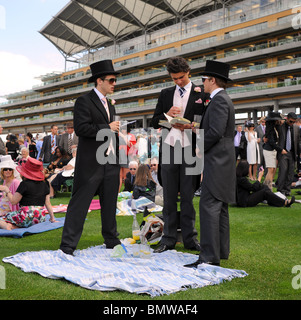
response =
{"points": [[162, 248], [67, 251], [199, 261], [196, 247], [290, 202], [111, 245]]}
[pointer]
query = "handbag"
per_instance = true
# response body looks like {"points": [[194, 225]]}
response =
{"points": [[243, 142]]}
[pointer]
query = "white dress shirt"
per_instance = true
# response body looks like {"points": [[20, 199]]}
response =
{"points": [[176, 134]]}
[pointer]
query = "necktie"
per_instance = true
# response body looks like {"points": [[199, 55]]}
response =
{"points": [[105, 103], [182, 92], [52, 144], [288, 140], [69, 143]]}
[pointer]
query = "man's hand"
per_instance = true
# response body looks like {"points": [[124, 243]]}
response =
{"points": [[174, 111], [181, 127], [114, 126]]}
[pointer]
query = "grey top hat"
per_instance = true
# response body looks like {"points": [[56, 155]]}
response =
{"points": [[101, 68]]}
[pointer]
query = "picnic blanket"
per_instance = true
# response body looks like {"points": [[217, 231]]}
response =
{"points": [[95, 269], [129, 207], [37, 228], [126, 206], [95, 205]]}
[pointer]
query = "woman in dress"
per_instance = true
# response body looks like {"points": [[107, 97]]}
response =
{"points": [[12, 146], [62, 159], [31, 195], [252, 150], [31, 145], [11, 179]]}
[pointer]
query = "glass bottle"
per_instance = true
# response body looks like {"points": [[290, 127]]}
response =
{"points": [[135, 229]]}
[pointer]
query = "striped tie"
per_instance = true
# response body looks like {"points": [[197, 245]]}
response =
{"points": [[105, 103], [52, 145], [182, 92], [69, 143], [288, 140]]}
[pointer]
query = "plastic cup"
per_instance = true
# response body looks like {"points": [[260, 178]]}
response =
{"points": [[145, 251], [136, 250]]}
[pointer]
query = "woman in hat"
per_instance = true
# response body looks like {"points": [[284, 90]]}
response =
{"points": [[253, 155], [31, 195], [10, 179], [270, 147]]}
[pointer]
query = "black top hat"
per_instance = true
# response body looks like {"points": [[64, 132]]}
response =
{"points": [[101, 68], [273, 116], [292, 115], [217, 69]]}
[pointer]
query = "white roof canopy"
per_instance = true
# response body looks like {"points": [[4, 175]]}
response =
{"points": [[90, 24]]}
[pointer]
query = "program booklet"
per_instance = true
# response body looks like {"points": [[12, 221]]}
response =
{"points": [[170, 121]]}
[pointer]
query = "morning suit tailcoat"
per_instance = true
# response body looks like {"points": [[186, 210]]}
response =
{"points": [[90, 177], [173, 177], [219, 177], [287, 162], [219, 154]]}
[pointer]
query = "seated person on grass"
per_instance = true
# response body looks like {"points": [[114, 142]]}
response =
{"points": [[31, 195], [58, 179], [250, 194]]}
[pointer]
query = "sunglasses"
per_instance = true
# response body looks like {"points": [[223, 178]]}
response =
{"points": [[292, 121], [152, 165], [204, 78], [133, 169], [7, 169], [111, 80]]}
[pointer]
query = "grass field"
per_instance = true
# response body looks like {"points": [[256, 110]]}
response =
{"points": [[265, 242]]}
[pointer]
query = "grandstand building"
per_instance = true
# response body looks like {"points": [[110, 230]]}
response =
{"points": [[260, 39]]}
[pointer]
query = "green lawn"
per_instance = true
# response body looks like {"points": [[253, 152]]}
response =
{"points": [[265, 242]]}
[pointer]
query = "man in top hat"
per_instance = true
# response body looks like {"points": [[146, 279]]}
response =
{"points": [[218, 185], [289, 143], [92, 113]]}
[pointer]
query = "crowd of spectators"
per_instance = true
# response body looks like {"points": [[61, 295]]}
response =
{"points": [[271, 150]]}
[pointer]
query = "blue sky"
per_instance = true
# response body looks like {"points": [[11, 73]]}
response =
{"points": [[24, 52]]}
